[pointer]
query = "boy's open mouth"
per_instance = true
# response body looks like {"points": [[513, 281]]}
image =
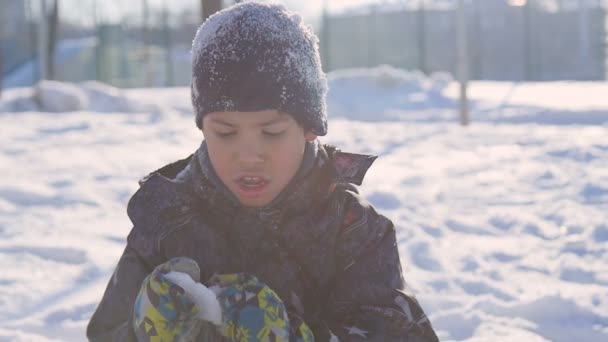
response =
{"points": [[251, 186], [251, 181]]}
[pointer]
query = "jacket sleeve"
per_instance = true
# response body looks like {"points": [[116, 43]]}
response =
{"points": [[153, 201], [112, 319], [368, 301]]}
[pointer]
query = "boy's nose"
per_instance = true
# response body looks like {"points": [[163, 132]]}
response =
{"points": [[250, 155]]}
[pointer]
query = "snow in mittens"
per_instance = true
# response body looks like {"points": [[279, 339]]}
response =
{"points": [[502, 226], [204, 298]]}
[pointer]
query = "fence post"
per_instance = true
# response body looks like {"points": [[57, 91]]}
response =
{"points": [[463, 61], [477, 60], [325, 37], [168, 56], [43, 42], [1, 72], [527, 41], [146, 52], [53, 27], [97, 53], [583, 48], [33, 46], [422, 37], [371, 33], [208, 7]]}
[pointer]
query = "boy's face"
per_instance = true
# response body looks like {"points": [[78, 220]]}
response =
{"points": [[255, 154]]}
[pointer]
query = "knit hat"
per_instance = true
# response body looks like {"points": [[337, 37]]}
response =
{"points": [[253, 57]]}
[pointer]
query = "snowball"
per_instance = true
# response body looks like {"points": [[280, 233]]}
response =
{"points": [[203, 297]]}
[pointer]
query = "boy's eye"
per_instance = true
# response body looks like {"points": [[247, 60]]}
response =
{"points": [[225, 134], [273, 134]]}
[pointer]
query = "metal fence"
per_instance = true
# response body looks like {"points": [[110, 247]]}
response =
{"points": [[134, 44], [146, 43], [506, 42]]}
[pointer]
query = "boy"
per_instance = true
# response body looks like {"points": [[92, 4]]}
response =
{"points": [[261, 212]]}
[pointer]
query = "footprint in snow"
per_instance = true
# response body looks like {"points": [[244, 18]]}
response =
{"points": [[477, 288], [72, 256], [505, 258], [39, 196], [600, 233], [423, 258], [593, 193], [384, 200], [79, 313]]}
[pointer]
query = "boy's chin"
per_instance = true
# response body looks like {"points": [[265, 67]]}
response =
{"points": [[254, 202]]}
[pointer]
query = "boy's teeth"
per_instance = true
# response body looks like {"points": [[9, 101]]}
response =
{"points": [[251, 180]]}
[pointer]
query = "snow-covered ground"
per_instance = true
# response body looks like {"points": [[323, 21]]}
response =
{"points": [[502, 225]]}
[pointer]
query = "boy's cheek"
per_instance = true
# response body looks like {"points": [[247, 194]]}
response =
{"points": [[310, 136]]}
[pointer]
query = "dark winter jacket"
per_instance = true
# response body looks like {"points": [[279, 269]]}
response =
{"points": [[326, 252]]}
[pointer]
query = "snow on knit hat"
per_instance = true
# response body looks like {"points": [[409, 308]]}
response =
{"points": [[253, 57]]}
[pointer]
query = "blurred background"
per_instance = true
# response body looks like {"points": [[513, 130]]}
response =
{"points": [[146, 43], [502, 224]]}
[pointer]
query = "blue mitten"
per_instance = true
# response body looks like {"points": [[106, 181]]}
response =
{"points": [[251, 311]]}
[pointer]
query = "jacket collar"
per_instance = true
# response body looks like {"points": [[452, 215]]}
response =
{"points": [[322, 168], [209, 187]]}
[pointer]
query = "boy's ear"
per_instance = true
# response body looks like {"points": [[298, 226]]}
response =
{"points": [[310, 136]]}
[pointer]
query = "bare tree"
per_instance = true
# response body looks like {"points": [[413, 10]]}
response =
{"points": [[167, 41], [1, 72], [41, 41], [52, 41], [325, 33], [208, 7], [47, 37], [422, 56], [463, 61], [145, 37]]}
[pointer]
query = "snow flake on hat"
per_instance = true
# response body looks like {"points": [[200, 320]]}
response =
{"points": [[356, 331], [262, 23]]}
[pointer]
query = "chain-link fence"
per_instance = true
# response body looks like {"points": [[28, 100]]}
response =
{"points": [[127, 44], [17, 38], [146, 43], [533, 40]]}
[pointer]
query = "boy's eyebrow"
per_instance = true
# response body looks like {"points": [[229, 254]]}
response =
{"points": [[275, 120], [267, 123], [219, 121]]}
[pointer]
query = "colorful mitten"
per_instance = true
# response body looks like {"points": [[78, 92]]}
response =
{"points": [[163, 312], [251, 311]]}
